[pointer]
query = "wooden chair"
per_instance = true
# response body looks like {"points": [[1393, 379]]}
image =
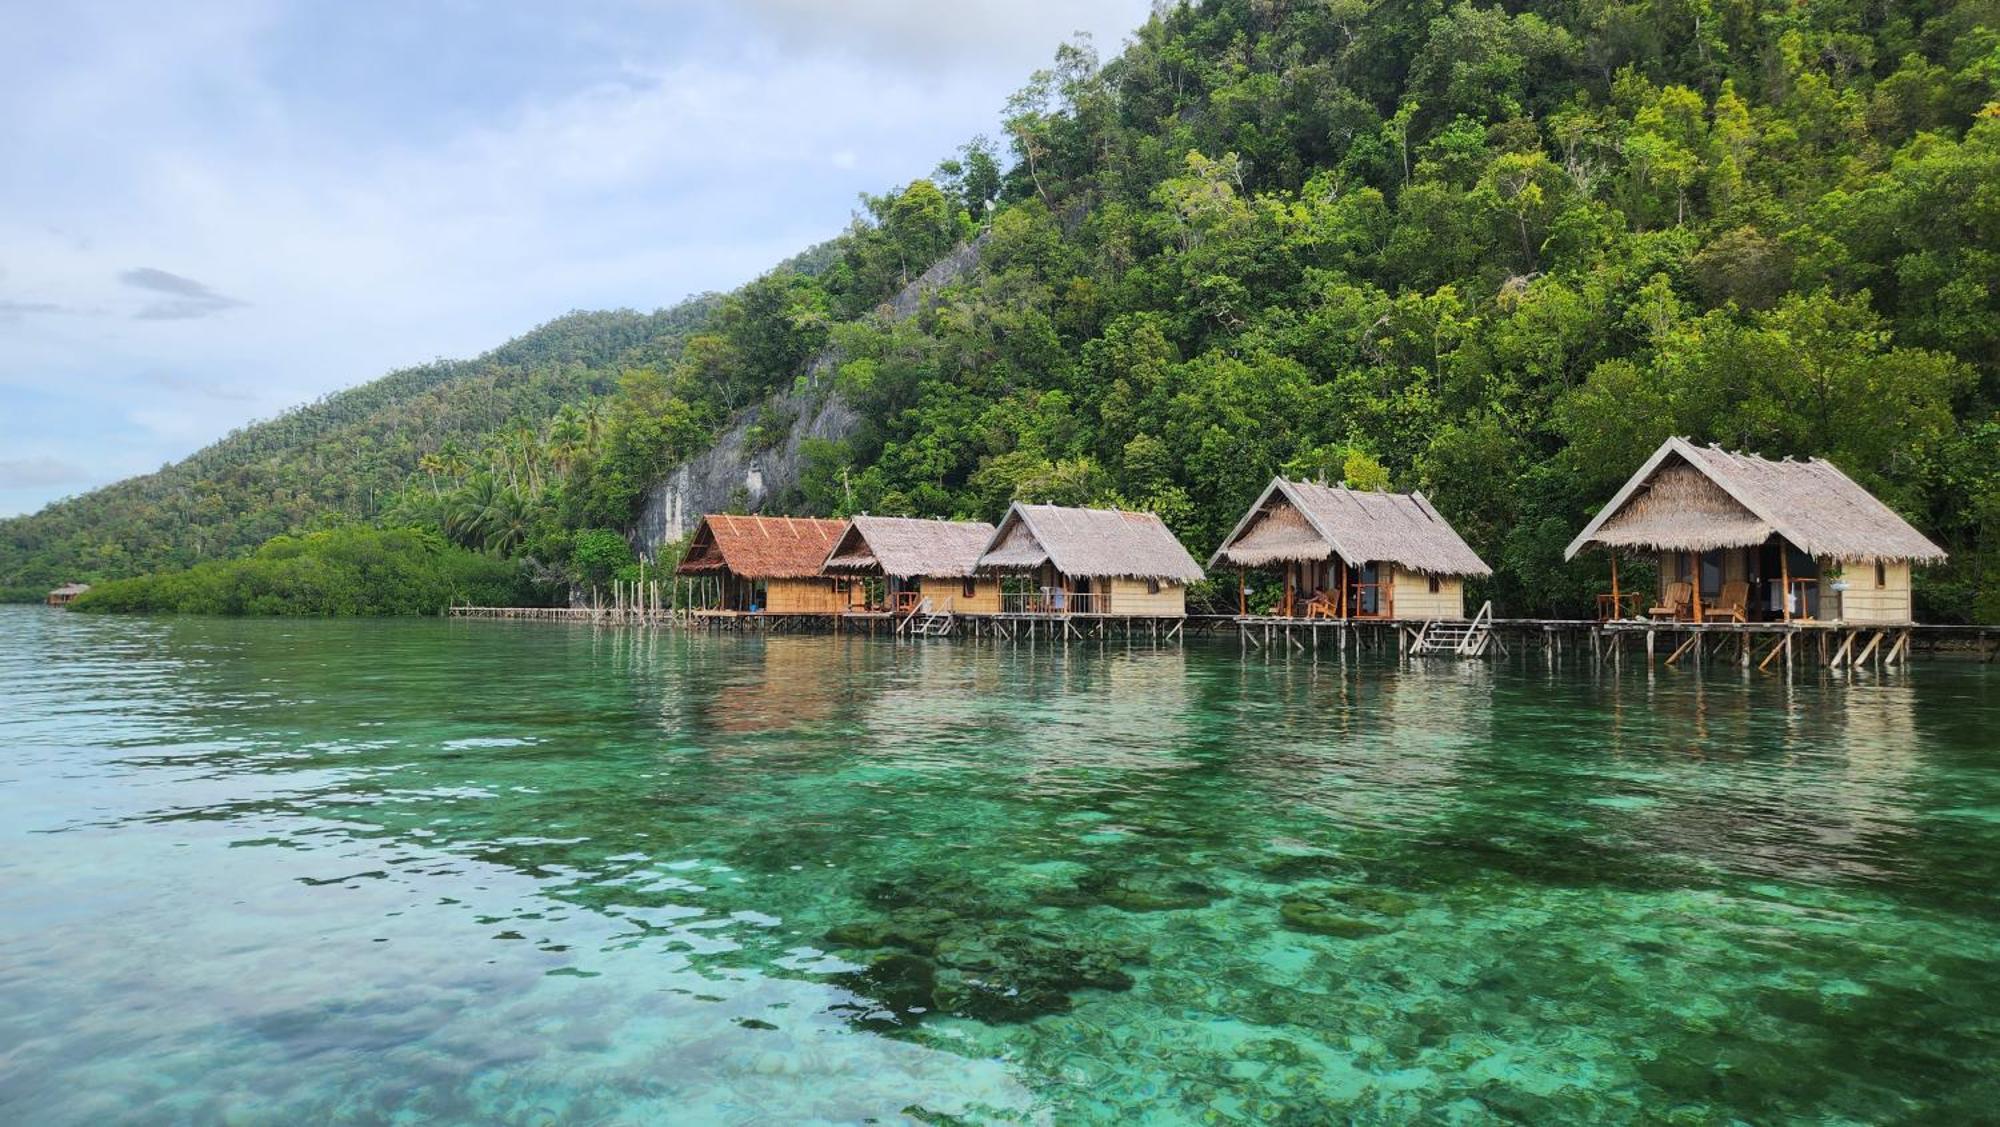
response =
{"points": [[1319, 606], [1679, 603], [1733, 603]]}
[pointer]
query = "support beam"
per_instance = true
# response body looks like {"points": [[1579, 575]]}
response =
{"points": [[1862, 657]]}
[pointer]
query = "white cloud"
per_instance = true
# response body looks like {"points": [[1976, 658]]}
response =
{"points": [[37, 473], [348, 230]]}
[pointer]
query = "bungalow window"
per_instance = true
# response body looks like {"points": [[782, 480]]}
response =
{"points": [[1881, 574], [970, 583], [1153, 585], [1435, 585]]}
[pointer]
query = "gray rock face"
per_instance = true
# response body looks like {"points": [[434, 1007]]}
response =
{"points": [[731, 477]]}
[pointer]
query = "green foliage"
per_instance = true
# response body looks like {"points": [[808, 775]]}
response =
{"points": [[599, 554], [340, 572], [384, 451], [1495, 256]]}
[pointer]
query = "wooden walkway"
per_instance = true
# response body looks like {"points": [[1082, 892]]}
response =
{"points": [[1762, 645]]}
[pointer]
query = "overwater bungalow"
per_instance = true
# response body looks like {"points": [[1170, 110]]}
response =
{"points": [[1741, 538], [65, 594], [766, 565], [902, 564], [1105, 563], [1346, 553]]}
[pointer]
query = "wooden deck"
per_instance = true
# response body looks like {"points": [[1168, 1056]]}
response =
{"points": [[1755, 645]]}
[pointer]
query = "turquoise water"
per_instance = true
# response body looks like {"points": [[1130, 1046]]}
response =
{"points": [[283, 872]]}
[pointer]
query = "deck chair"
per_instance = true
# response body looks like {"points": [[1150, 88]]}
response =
{"points": [[1679, 603], [1733, 602], [1319, 606]]}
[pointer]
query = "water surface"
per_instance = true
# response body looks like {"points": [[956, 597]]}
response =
{"points": [[424, 871]]}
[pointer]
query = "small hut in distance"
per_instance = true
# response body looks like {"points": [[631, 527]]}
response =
{"points": [[915, 561], [65, 594], [1348, 553], [768, 565], [1100, 562], [1742, 538]]}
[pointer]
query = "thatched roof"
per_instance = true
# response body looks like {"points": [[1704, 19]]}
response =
{"points": [[1088, 543], [906, 548], [1689, 498], [760, 547], [1298, 521], [71, 589]]}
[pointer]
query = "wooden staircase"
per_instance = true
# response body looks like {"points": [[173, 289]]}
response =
{"points": [[928, 620], [1460, 639]]}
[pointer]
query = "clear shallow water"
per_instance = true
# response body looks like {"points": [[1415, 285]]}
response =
{"points": [[264, 871]]}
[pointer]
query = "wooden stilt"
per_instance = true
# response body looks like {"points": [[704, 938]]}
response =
{"points": [[1862, 657]]}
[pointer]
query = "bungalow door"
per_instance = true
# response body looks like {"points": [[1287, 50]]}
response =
{"points": [[1368, 590]]}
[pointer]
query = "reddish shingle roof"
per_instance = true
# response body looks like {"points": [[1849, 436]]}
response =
{"points": [[760, 547]]}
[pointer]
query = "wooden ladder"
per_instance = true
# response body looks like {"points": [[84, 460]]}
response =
{"points": [[930, 621], [1464, 639]]}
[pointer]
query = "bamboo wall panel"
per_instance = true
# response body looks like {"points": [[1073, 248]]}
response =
{"points": [[1134, 598], [806, 596], [985, 597], [1413, 597], [1865, 602]]}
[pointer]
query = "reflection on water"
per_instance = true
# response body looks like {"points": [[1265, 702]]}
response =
{"points": [[481, 872]]}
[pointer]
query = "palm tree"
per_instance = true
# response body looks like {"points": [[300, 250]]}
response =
{"points": [[432, 465], [451, 456], [525, 447], [596, 420], [508, 523], [566, 438], [467, 513], [499, 457]]}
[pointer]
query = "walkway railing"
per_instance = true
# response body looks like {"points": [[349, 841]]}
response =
{"points": [[1055, 602]]}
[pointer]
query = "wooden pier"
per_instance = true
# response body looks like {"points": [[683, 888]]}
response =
{"points": [[1765, 646], [1762, 645]]}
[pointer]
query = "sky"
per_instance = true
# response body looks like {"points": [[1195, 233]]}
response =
{"points": [[210, 212]]}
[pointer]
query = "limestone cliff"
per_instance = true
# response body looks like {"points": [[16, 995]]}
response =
{"points": [[731, 476]]}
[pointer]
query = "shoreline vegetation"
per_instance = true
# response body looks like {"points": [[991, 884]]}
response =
{"points": [[346, 572], [1485, 254]]}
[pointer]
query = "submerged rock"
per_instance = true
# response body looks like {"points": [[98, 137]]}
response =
{"points": [[1170, 897], [1132, 893], [1005, 973], [1381, 901], [901, 984], [1325, 919]]}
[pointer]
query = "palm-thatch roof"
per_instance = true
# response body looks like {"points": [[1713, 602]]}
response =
{"points": [[760, 547], [1300, 521], [909, 548], [71, 589], [1088, 544], [1689, 498]]}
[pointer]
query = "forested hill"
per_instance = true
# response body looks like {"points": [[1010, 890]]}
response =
{"points": [[352, 456], [1490, 252], [1493, 253]]}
